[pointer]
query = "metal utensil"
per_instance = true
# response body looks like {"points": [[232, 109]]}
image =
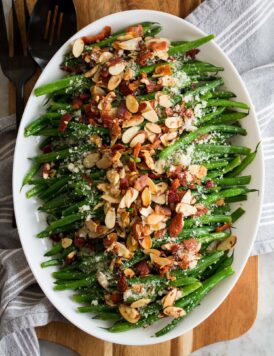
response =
{"points": [[20, 67], [51, 24]]}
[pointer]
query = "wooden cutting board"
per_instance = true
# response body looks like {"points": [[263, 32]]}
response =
{"points": [[237, 313]]}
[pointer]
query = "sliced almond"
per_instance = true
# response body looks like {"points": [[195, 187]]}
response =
{"points": [[161, 188], [117, 68], [153, 128], [154, 218], [167, 138], [197, 170], [91, 159], [160, 261], [174, 122], [136, 120], [95, 91], [164, 100], [78, 47], [132, 243], [113, 176], [129, 134], [139, 138], [91, 72], [129, 45], [160, 226], [114, 81], [150, 115], [160, 166], [132, 103], [140, 303], [104, 57], [130, 314], [146, 197], [66, 242], [146, 211], [104, 162], [128, 272], [130, 196], [170, 298], [91, 225], [175, 312], [121, 250], [110, 199], [125, 37], [128, 74], [185, 209], [227, 244], [187, 198], [146, 242], [148, 159], [159, 199], [146, 106], [102, 279], [110, 218], [152, 251], [152, 186]]}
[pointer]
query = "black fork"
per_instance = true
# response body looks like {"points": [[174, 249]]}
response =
{"points": [[20, 67]]}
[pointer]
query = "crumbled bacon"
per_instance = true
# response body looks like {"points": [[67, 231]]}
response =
{"points": [[122, 285], [144, 56], [141, 182], [163, 69], [152, 86], [156, 45], [47, 149], [79, 241], [122, 112], [192, 53], [135, 31], [124, 183], [173, 196], [137, 149], [223, 227], [192, 245], [64, 121], [142, 268], [107, 119], [162, 210], [124, 88], [106, 31], [76, 103], [175, 184], [159, 234], [176, 225], [210, 184]]}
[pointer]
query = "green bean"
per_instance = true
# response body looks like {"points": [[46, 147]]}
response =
{"points": [[34, 191], [185, 47], [184, 281], [214, 237], [205, 87], [220, 149], [122, 326], [184, 140], [211, 115], [234, 181], [239, 198], [54, 250], [237, 214], [246, 162], [232, 192], [64, 221], [223, 94], [207, 219], [33, 170], [68, 275], [231, 117], [193, 68], [95, 308], [51, 190], [53, 262], [215, 164], [229, 167], [36, 125], [56, 85], [53, 156], [76, 284], [107, 316], [227, 103]]}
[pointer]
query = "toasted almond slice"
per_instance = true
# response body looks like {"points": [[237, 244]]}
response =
{"points": [[114, 81], [92, 71], [170, 298], [104, 162], [164, 100], [159, 199], [129, 134], [129, 45], [168, 137], [160, 226], [146, 106], [91, 159], [153, 128], [154, 218], [160, 166], [145, 242], [103, 186], [128, 74], [185, 209], [139, 138], [117, 68], [136, 120], [113, 176], [102, 279], [197, 170], [91, 225], [110, 218], [152, 186], [128, 272], [146, 211], [104, 57], [152, 251], [132, 103], [227, 244], [174, 122], [160, 261], [175, 312], [121, 250], [151, 137], [187, 198], [127, 36], [161, 188], [140, 303], [146, 197], [78, 47], [130, 196], [66, 242], [110, 199], [130, 314], [132, 243], [148, 159], [150, 115]]}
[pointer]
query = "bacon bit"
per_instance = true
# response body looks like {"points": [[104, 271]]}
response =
{"points": [[192, 245], [107, 119], [169, 111], [124, 88], [79, 241], [220, 202], [154, 145], [137, 149], [87, 179], [163, 70], [185, 261], [141, 182], [115, 297], [192, 53], [175, 184], [76, 103], [115, 130], [159, 234], [152, 87], [64, 121], [144, 56], [122, 112], [210, 184], [173, 196], [47, 149], [106, 31], [133, 86], [223, 227], [135, 31], [122, 285], [108, 241], [164, 270], [84, 96], [176, 225], [156, 45], [142, 268], [118, 147], [162, 210], [55, 237], [201, 211], [124, 184], [132, 165]]}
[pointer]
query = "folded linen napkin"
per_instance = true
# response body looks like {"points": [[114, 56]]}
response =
{"points": [[244, 30]]}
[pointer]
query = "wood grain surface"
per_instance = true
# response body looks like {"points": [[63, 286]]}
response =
{"points": [[236, 314]]}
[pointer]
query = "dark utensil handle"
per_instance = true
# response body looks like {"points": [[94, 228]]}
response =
{"points": [[19, 103]]}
